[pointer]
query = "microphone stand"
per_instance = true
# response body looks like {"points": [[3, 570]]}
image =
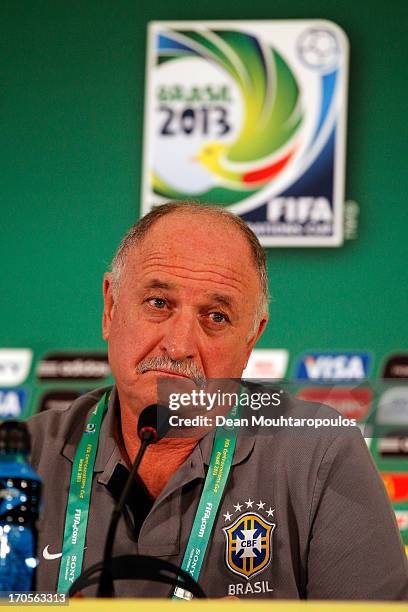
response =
{"points": [[106, 587], [139, 567], [153, 424]]}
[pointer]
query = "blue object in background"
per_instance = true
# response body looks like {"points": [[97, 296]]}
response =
{"points": [[20, 494]]}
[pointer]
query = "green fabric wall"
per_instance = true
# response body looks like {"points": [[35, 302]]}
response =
{"points": [[71, 107], [71, 100]]}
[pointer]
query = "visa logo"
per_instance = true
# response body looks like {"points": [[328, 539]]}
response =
{"points": [[333, 366], [12, 403]]}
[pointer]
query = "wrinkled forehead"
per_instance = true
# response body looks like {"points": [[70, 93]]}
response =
{"points": [[197, 245]]}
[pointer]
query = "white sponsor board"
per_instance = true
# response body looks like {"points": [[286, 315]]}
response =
{"points": [[15, 366], [393, 407], [267, 364]]}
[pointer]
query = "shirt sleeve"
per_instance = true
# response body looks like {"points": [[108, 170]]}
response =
{"points": [[355, 548]]}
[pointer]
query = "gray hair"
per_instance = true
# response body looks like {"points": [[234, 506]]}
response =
{"points": [[139, 230]]}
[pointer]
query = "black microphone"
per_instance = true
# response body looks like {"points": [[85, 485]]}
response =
{"points": [[153, 424]]}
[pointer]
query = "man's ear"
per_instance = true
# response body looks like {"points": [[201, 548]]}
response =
{"points": [[254, 339], [108, 305]]}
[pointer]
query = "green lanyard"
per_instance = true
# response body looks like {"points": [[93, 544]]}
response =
{"points": [[79, 497], [217, 476], [76, 519]]}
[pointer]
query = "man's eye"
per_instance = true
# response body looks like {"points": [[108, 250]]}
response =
{"points": [[157, 302], [218, 317]]}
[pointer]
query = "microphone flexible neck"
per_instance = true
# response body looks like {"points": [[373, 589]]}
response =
{"points": [[106, 587]]}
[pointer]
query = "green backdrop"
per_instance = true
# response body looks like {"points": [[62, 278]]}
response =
{"points": [[72, 88], [71, 100]]}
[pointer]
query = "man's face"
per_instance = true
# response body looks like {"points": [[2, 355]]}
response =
{"points": [[188, 294]]}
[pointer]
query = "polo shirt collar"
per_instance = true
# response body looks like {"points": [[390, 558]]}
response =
{"points": [[108, 454], [243, 448], [107, 443]]}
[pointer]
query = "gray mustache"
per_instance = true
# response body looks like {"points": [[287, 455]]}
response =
{"points": [[184, 367]]}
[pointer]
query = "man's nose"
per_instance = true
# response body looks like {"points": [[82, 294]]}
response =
{"points": [[180, 338]]}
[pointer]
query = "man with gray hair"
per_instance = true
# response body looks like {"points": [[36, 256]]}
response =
{"points": [[302, 517]]}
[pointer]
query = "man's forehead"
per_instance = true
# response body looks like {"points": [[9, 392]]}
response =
{"points": [[178, 249], [218, 285], [203, 237]]}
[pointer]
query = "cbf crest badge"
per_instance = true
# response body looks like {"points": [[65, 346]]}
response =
{"points": [[249, 544]]}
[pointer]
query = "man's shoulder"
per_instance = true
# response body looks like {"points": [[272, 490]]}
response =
{"points": [[303, 430], [56, 425], [305, 408], [63, 417], [297, 412]]}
